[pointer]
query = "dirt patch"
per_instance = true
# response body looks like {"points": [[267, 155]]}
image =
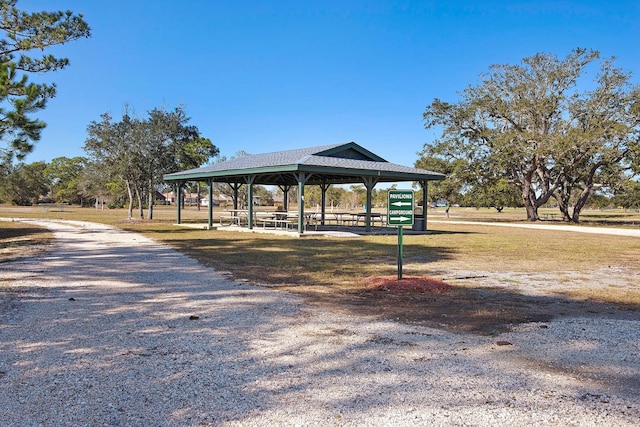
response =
{"points": [[406, 284], [459, 307]]}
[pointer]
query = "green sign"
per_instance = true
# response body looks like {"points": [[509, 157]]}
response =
{"points": [[400, 207]]}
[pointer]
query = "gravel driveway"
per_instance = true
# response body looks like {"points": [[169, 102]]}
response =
{"points": [[111, 328]]}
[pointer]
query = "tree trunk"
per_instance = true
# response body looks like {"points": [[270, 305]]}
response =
{"points": [[151, 203], [130, 193], [580, 203], [529, 199], [140, 207], [563, 205], [532, 210], [584, 196]]}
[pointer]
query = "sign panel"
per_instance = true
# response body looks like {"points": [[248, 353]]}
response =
{"points": [[400, 207]]}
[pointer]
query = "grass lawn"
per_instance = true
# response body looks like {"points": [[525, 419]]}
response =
{"points": [[18, 240], [489, 269]]}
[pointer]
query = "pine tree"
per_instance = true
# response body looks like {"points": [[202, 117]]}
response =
{"points": [[23, 33]]}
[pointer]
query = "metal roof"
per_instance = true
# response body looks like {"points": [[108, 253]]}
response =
{"points": [[330, 164]]}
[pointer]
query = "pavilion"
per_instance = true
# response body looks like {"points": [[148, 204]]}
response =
{"points": [[347, 163]]}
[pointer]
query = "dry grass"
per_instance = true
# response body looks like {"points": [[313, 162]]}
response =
{"points": [[18, 240], [521, 249], [597, 217], [338, 272]]}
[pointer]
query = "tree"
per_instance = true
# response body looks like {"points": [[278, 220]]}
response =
{"points": [[63, 175], [356, 197], [24, 183], [312, 195], [496, 194], [457, 171], [195, 153], [262, 195], [22, 33], [95, 183], [227, 189], [112, 146], [335, 195], [141, 151], [528, 124], [628, 196], [169, 145]]}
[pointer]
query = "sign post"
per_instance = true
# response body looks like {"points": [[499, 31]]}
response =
{"points": [[400, 213]]}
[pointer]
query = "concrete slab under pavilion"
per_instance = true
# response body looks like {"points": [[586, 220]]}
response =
{"points": [[347, 163]]}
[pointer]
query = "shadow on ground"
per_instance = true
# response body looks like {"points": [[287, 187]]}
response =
{"points": [[138, 326]]}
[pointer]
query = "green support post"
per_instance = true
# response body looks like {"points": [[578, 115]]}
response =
{"points": [[400, 252], [178, 203], [249, 180], [210, 184]]}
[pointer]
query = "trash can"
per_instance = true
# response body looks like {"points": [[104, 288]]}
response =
{"points": [[418, 223]]}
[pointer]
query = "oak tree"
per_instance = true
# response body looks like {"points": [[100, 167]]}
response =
{"points": [[23, 184], [543, 129], [63, 175], [139, 151]]}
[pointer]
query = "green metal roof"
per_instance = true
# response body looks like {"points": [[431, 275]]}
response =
{"points": [[331, 164]]}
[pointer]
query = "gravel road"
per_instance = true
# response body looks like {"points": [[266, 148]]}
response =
{"points": [[110, 328]]}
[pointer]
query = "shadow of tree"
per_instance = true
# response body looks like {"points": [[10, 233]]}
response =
{"points": [[136, 334], [19, 240]]}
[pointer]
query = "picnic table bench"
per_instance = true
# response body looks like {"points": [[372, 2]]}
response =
{"points": [[341, 218], [50, 206], [282, 219], [231, 219], [284, 223]]}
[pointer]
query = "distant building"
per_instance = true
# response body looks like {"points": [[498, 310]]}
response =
{"points": [[192, 199]]}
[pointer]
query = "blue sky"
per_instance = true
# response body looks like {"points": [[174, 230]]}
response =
{"points": [[263, 76]]}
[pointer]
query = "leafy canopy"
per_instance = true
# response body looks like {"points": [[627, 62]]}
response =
{"points": [[534, 126], [140, 151], [21, 34]]}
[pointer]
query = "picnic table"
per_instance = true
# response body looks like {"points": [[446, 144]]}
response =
{"points": [[374, 217], [50, 206], [235, 217], [286, 219], [281, 219], [341, 218]]}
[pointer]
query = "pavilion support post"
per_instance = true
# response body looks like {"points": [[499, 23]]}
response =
{"points": [[178, 202], [324, 187], [249, 180], [285, 196], [369, 183], [425, 191], [302, 178], [210, 202]]}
